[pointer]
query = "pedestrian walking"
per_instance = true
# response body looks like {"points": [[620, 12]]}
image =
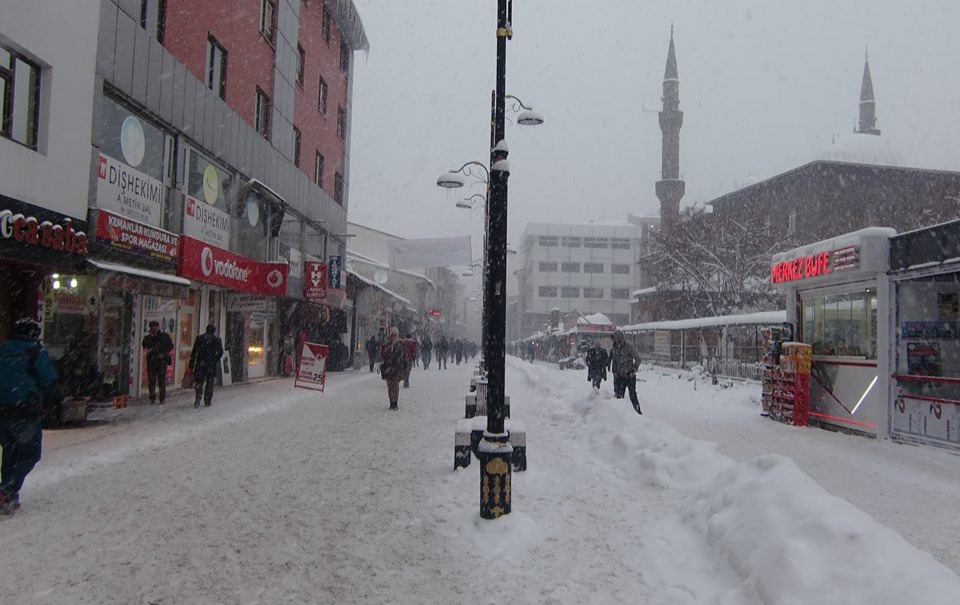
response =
{"points": [[205, 363], [624, 363], [410, 351], [393, 364], [158, 345], [26, 377], [373, 347], [597, 361], [426, 351], [442, 350]]}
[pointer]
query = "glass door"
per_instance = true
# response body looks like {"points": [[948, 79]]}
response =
{"points": [[256, 330], [187, 319]]}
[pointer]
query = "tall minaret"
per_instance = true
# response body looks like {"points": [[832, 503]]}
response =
{"points": [[868, 105], [670, 188]]}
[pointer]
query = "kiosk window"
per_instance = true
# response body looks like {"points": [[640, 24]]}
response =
{"points": [[842, 325]]}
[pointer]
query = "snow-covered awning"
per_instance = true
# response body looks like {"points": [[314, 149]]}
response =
{"points": [[145, 281], [763, 317], [374, 284]]}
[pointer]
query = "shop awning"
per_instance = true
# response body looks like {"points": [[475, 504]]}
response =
{"points": [[374, 284], [144, 281]]}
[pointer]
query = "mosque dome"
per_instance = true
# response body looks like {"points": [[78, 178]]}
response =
{"points": [[862, 148]]}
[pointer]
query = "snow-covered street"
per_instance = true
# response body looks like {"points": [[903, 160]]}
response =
{"points": [[280, 495]]}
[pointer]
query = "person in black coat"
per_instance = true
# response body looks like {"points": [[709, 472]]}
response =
{"points": [[205, 363], [158, 345], [373, 348], [597, 362]]}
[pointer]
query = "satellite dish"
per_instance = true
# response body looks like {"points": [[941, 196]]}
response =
{"points": [[381, 277]]}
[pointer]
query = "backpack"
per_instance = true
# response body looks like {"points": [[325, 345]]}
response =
{"points": [[18, 379]]}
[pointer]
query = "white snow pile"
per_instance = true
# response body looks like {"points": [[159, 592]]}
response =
{"points": [[788, 540]]}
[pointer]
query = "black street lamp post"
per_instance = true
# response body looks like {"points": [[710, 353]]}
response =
{"points": [[495, 453]]}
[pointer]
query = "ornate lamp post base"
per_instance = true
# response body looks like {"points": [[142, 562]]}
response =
{"points": [[495, 456]]}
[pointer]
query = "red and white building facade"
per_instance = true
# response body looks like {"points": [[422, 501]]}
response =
{"points": [[213, 166]]}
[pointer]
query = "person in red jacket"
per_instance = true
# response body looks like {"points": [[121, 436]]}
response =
{"points": [[410, 350]]}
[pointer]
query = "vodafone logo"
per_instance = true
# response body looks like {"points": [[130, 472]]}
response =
{"points": [[206, 262], [274, 278]]}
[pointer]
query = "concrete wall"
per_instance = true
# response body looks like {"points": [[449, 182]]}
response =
{"points": [[62, 38]]}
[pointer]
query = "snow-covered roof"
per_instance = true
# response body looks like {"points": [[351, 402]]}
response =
{"points": [[173, 279], [370, 282], [595, 319], [643, 292], [356, 256], [763, 317], [859, 148], [856, 238]]}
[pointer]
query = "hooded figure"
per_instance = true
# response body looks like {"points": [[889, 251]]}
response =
{"points": [[624, 363], [393, 366], [26, 377], [597, 365], [205, 363]]}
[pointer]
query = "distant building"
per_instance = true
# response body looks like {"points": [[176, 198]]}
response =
{"points": [[590, 268]]}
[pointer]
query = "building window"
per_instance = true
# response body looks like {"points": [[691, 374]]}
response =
{"points": [[344, 57], [571, 242], [153, 17], [620, 293], [19, 98], [548, 241], [326, 25], [620, 243], [568, 292], [216, 67], [548, 267], [570, 267], [301, 62], [322, 97], [262, 113], [296, 146], [547, 291], [593, 267], [618, 269], [338, 188], [792, 222], [341, 123], [593, 292], [595, 242], [268, 20], [318, 170]]}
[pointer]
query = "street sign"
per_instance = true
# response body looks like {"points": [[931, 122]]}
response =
{"points": [[315, 285], [312, 369]]}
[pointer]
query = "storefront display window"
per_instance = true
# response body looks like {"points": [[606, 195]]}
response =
{"points": [[70, 309], [928, 316], [842, 324]]}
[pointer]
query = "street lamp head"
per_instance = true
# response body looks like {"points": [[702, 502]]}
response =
{"points": [[465, 205], [451, 180], [528, 117]]}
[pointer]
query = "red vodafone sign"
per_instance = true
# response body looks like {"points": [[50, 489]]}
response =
{"points": [[212, 265]]}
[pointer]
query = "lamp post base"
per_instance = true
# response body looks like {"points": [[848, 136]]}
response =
{"points": [[495, 455]]}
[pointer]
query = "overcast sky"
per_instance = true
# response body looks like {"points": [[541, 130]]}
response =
{"points": [[765, 86]]}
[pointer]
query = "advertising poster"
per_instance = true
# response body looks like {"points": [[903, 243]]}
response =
{"points": [[923, 358], [312, 369]]}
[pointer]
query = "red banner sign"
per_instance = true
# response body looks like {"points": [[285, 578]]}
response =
{"points": [[315, 282], [212, 265], [816, 265], [126, 234]]}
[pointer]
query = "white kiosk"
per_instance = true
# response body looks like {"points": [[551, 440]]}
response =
{"points": [[838, 300]]}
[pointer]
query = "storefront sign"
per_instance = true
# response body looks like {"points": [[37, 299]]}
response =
{"points": [[333, 271], [312, 369], [815, 265], [126, 234], [129, 192], [206, 223], [213, 265], [243, 303], [31, 231], [316, 284]]}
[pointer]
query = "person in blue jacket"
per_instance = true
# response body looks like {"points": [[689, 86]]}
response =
{"points": [[26, 377]]}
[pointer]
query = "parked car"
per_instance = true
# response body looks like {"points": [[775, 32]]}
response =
{"points": [[572, 363]]}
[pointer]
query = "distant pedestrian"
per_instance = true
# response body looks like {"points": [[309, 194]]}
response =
{"points": [[442, 350], [393, 365], [624, 363], [373, 347], [597, 365], [410, 351], [26, 378], [159, 346], [205, 363], [426, 351]]}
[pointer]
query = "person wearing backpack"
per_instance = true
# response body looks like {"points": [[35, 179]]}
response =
{"points": [[205, 361], [26, 376], [158, 345]]}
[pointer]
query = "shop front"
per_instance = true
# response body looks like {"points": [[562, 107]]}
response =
{"points": [[925, 282], [249, 291], [837, 300]]}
